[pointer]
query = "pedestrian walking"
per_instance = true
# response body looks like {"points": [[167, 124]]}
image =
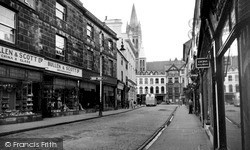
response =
{"points": [[190, 102]]}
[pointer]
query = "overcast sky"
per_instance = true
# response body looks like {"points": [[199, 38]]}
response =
{"points": [[164, 23]]}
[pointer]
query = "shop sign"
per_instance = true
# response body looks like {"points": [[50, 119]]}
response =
{"points": [[61, 68], [202, 63], [96, 78], [20, 57]]}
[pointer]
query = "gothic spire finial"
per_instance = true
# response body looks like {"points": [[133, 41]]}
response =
{"points": [[133, 18]]}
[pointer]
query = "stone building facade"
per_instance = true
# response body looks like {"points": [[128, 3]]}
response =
{"points": [[52, 49]]}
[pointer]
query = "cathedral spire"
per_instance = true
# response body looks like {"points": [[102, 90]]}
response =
{"points": [[133, 18]]}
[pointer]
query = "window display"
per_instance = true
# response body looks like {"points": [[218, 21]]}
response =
{"points": [[16, 100]]}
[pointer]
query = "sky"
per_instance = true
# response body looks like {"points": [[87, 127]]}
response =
{"points": [[165, 23]]}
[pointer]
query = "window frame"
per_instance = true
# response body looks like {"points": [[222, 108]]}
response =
{"points": [[62, 12], [90, 58], [63, 50], [11, 26], [90, 32]]}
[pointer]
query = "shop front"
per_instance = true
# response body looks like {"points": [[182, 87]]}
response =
{"points": [[89, 98], [109, 93], [61, 90], [120, 95], [20, 86]]}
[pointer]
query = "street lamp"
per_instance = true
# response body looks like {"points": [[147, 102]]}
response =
{"points": [[122, 47]]}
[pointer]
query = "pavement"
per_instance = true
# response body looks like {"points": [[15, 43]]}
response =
{"points": [[185, 132], [54, 121]]}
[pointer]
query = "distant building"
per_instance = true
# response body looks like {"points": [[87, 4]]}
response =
{"points": [[163, 78]]}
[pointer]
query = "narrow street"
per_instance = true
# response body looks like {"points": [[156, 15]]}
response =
{"points": [[123, 131]]}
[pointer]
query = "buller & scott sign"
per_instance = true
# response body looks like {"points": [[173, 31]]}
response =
{"points": [[33, 60]]}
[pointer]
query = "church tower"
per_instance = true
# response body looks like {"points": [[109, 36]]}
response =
{"points": [[133, 30]]}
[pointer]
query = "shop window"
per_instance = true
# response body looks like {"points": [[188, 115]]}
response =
{"points": [[156, 81], [60, 46], [231, 96], [60, 11], [7, 25]]}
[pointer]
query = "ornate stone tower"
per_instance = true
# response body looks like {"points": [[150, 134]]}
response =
{"points": [[133, 31]]}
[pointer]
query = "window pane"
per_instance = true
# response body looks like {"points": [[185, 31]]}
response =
{"points": [[60, 45], [60, 7], [60, 11], [60, 42], [7, 17], [7, 34], [59, 14]]}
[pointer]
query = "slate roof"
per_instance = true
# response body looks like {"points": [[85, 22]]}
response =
{"points": [[164, 65]]}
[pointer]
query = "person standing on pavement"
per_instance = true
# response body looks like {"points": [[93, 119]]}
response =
{"points": [[190, 102]]}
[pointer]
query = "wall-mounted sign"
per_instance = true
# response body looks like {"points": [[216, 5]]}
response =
{"points": [[61, 68], [21, 57], [202, 63]]}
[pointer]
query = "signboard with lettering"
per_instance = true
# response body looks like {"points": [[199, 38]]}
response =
{"points": [[202, 63], [96, 78], [21, 57], [61, 68]]}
